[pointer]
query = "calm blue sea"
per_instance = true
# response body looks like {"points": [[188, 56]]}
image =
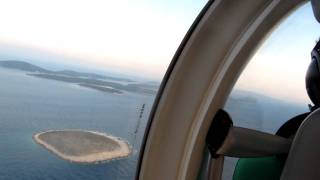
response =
{"points": [[29, 105]]}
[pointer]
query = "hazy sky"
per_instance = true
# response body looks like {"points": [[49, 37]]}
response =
{"points": [[137, 36], [140, 37], [279, 66]]}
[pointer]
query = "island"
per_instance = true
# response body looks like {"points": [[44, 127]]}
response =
{"points": [[80, 146], [108, 84], [102, 88]]}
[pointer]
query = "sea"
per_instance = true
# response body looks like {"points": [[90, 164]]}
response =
{"points": [[29, 105]]}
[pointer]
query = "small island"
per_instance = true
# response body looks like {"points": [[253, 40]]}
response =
{"points": [[82, 146]]}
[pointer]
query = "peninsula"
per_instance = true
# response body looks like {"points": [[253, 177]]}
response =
{"points": [[81, 146], [108, 84]]}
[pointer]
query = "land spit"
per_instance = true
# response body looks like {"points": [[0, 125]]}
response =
{"points": [[82, 146]]}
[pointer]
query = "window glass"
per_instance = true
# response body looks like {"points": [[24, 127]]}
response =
{"points": [[271, 90], [78, 80]]}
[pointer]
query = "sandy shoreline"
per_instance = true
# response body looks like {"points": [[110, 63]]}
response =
{"points": [[121, 152]]}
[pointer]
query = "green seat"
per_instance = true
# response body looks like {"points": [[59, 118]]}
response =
{"points": [[268, 168], [264, 168]]}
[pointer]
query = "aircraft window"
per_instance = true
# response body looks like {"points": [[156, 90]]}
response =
{"points": [[271, 89], [78, 80]]}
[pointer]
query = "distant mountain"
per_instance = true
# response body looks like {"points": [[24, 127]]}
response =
{"points": [[24, 66]]}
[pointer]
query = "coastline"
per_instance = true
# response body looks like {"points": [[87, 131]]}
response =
{"points": [[122, 152]]}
